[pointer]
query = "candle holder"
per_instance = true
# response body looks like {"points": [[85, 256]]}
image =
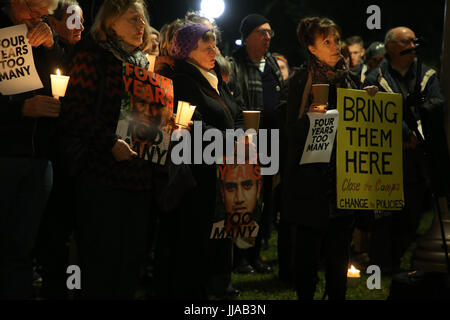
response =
{"points": [[251, 121], [320, 97], [184, 114], [353, 277], [59, 84]]}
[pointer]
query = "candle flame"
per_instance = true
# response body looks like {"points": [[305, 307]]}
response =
{"points": [[353, 269], [58, 72]]}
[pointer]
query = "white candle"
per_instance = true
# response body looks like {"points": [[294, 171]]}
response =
{"points": [[59, 84], [184, 113]]}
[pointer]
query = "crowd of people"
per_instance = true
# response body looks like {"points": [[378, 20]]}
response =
{"points": [[74, 192]]}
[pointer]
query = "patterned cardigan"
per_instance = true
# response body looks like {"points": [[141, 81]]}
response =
{"points": [[98, 131]]}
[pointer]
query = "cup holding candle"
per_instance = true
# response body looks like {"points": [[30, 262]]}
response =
{"points": [[59, 84], [251, 120], [184, 115], [353, 277], [320, 97]]}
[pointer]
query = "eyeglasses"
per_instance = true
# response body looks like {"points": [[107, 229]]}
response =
{"points": [[264, 32], [407, 41], [35, 14]]}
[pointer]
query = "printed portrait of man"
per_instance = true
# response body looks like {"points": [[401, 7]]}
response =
{"points": [[240, 189]]}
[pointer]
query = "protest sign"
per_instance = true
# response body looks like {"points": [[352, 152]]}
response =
{"points": [[17, 70], [321, 135], [146, 112], [369, 151], [238, 205]]}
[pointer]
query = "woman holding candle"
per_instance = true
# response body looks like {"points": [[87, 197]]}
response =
{"points": [[310, 189], [114, 186], [198, 266]]}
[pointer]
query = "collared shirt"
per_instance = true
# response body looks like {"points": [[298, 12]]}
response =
{"points": [[210, 76]]}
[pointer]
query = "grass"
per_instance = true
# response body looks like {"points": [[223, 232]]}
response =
{"points": [[268, 287]]}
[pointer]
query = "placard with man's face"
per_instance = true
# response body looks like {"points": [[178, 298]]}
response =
{"points": [[238, 207], [146, 121]]}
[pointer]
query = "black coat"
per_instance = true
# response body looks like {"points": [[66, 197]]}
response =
{"points": [[309, 190], [185, 272], [214, 111], [387, 80], [26, 136]]}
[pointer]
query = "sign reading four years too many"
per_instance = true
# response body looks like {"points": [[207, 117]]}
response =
{"points": [[17, 71], [369, 151]]}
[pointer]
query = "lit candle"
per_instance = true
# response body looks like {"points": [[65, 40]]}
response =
{"points": [[353, 272], [59, 84], [353, 276], [184, 113]]}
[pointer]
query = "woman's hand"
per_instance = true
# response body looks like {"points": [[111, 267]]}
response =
{"points": [[371, 90], [122, 151], [317, 109], [40, 34]]}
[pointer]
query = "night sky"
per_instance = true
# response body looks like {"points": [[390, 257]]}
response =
{"points": [[425, 18]]}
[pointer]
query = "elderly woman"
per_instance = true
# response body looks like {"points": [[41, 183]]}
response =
{"points": [[198, 266], [28, 120], [114, 185], [310, 190]]}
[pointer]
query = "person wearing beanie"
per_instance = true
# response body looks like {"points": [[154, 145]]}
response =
{"points": [[258, 84], [190, 265]]}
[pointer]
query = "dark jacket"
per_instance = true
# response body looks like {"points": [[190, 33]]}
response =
{"points": [[388, 80], [309, 190], [26, 136], [191, 222], [213, 110], [83, 117], [239, 81]]}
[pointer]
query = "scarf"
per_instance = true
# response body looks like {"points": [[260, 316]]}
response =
{"points": [[323, 73], [210, 76], [320, 72], [255, 86], [136, 57]]}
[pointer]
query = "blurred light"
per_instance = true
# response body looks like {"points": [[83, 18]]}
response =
{"points": [[238, 42], [212, 8]]}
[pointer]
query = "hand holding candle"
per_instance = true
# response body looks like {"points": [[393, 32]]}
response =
{"points": [[59, 84]]}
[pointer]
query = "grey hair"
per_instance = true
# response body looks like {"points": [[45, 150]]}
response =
{"points": [[62, 8], [52, 4]]}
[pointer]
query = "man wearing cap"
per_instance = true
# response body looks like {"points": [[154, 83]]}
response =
{"points": [[258, 84], [374, 54], [397, 73]]}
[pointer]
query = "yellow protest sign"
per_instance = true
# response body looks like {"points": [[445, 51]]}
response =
{"points": [[369, 151]]}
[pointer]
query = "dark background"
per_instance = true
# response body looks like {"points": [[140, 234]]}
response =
{"points": [[425, 18]]}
